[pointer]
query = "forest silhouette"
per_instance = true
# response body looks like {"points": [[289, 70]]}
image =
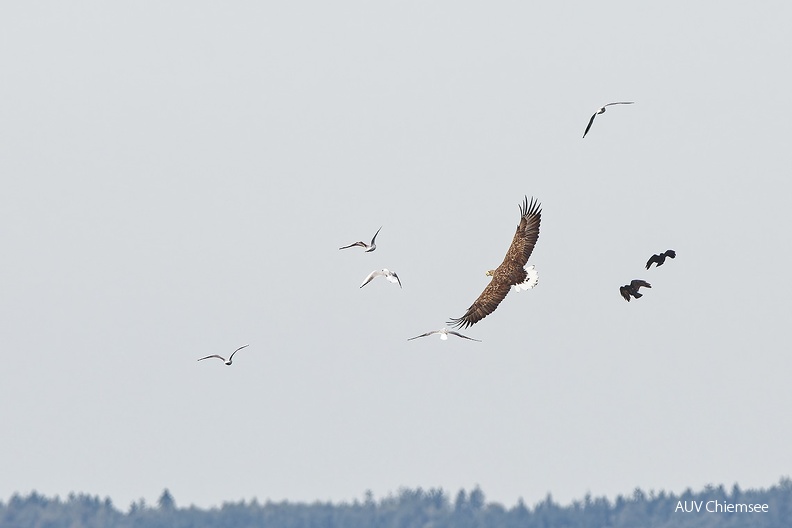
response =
{"points": [[417, 508]]}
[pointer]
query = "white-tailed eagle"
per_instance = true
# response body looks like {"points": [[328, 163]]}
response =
{"points": [[511, 271]]}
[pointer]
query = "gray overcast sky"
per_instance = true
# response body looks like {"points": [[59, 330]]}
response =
{"points": [[177, 178]]}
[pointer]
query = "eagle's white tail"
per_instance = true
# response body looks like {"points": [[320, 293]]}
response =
{"points": [[530, 281]]}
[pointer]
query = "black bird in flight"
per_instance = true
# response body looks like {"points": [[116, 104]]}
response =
{"points": [[659, 259], [632, 289], [226, 361], [368, 247], [602, 111]]}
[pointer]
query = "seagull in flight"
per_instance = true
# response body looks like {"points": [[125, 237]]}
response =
{"points": [[632, 289], [384, 272], [659, 259], [368, 247], [602, 111], [226, 361], [444, 335]]}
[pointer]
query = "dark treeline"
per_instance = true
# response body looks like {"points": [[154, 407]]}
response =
{"points": [[412, 508]]}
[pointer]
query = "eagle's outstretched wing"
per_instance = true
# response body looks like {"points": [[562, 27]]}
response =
{"points": [[511, 271], [489, 299], [526, 236]]}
